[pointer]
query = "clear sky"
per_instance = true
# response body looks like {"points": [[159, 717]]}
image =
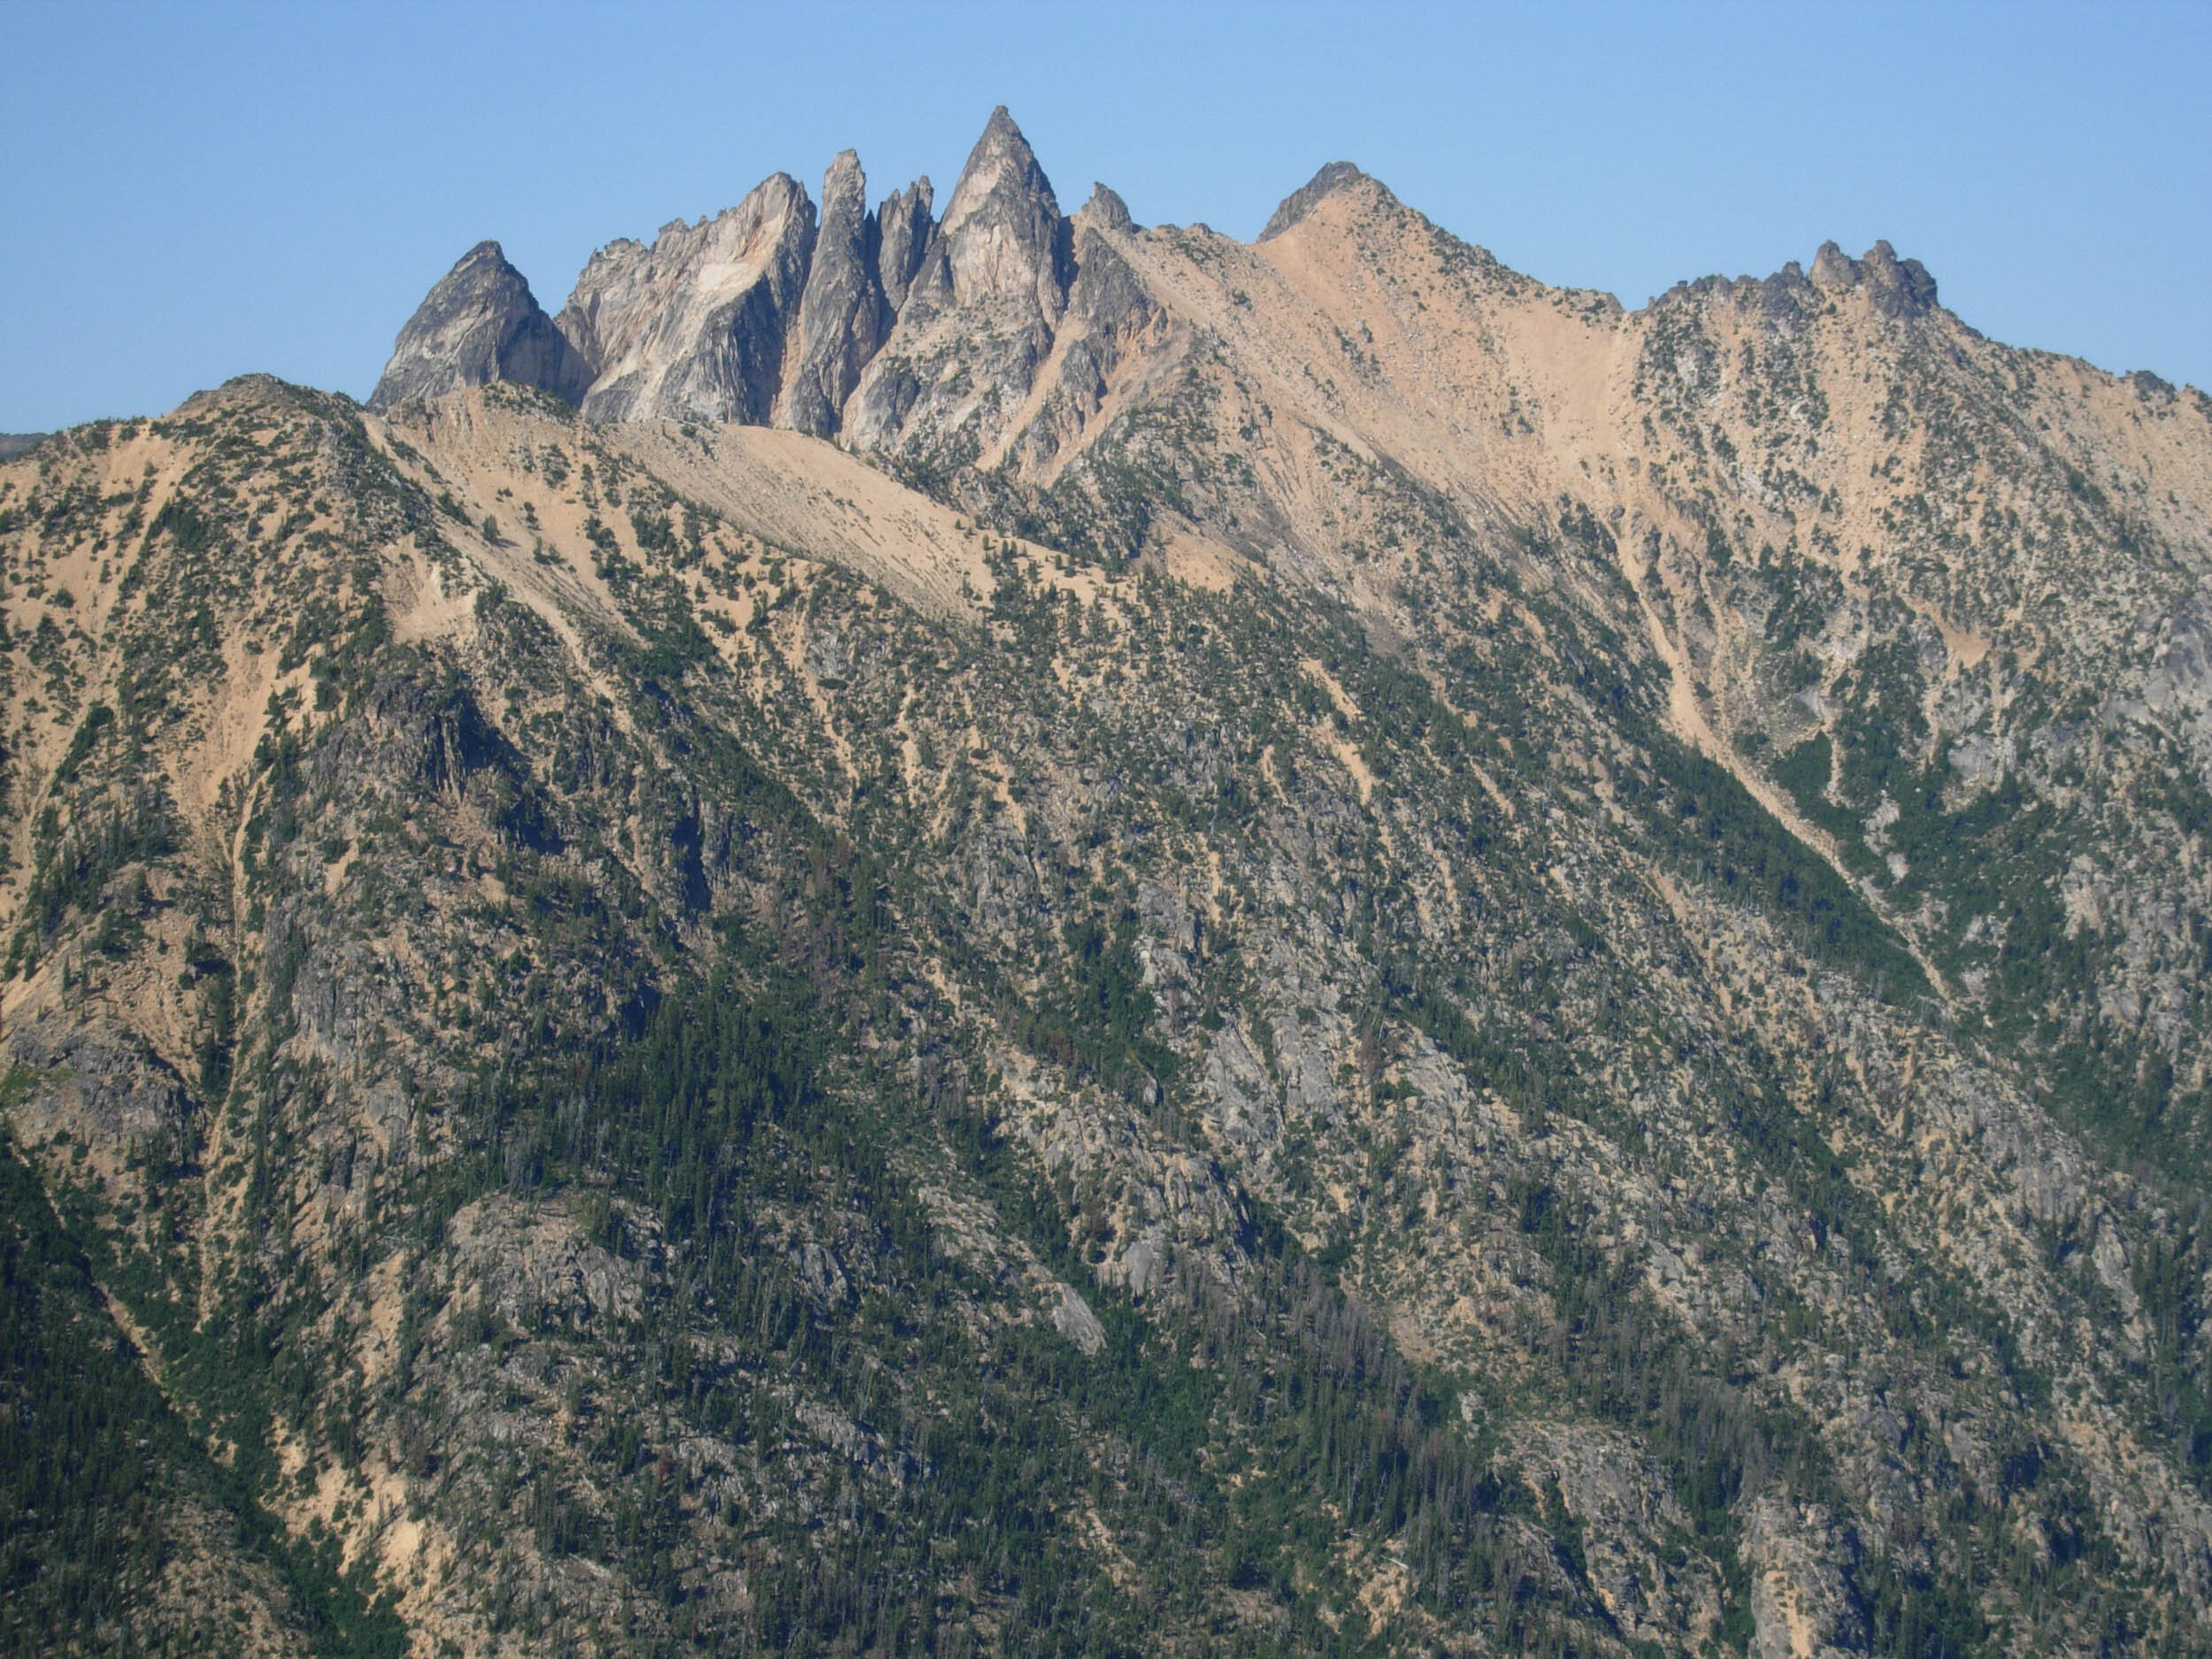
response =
{"points": [[190, 191]]}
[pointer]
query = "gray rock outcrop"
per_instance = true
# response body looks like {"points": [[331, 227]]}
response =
{"points": [[695, 325], [897, 331], [979, 317], [906, 228], [481, 323], [1108, 307], [1002, 241], [1309, 196], [1074, 1321], [1108, 209], [1900, 287], [843, 315]]}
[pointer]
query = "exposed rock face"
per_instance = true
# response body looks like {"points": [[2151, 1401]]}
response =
{"points": [[1331, 178], [979, 317], [697, 325], [1002, 240], [480, 324], [906, 230], [1900, 287], [1802, 1604], [758, 317], [1622, 1503], [993, 334], [900, 333], [1075, 1321], [842, 315], [1107, 308], [1108, 209]]}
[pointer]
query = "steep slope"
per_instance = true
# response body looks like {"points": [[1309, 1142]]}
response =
{"points": [[987, 295], [1293, 966], [480, 324], [696, 323], [843, 315], [1874, 549], [114, 1522]]}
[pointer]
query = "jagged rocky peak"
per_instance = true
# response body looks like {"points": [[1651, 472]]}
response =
{"points": [[1106, 297], [844, 314], [1900, 287], [906, 226], [1106, 209], [1331, 178], [765, 313], [481, 323], [1897, 288], [694, 325], [1107, 308], [1002, 239], [980, 314]]}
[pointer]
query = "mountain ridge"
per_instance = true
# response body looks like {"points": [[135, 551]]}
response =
{"points": [[1904, 286], [1319, 950]]}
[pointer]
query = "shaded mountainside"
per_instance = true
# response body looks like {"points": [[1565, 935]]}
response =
{"points": [[1306, 949]]}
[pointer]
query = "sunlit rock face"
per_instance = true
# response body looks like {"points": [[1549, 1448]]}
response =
{"points": [[480, 324]]}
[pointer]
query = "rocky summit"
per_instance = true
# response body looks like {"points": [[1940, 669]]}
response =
{"points": [[1014, 934], [480, 324]]}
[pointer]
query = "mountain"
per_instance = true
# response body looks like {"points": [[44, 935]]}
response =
{"points": [[480, 324], [1030, 935]]}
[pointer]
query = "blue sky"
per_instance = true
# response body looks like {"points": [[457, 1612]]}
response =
{"points": [[192, 191]]}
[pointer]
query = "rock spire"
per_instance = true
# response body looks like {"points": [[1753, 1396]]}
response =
{"points": [[843, 315], [479, 323]]}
